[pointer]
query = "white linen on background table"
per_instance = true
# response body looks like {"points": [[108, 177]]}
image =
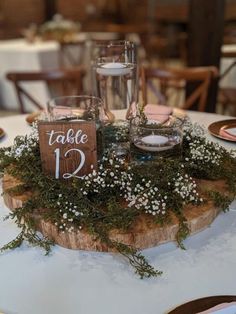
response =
{"points": [[16, 56], [230, 79], [20, 55], [79, 282]]}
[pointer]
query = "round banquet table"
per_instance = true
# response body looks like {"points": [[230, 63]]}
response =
{"points": [[83, 282]]}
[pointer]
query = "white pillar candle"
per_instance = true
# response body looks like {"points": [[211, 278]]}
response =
{"points": [[113, 69], [153, 143]]}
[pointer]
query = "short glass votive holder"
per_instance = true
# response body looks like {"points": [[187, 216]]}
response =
{"points": [[151, 140], [79, 109], [70, 108]]}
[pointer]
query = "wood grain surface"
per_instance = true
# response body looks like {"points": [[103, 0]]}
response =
{"points": [[143, 234]]}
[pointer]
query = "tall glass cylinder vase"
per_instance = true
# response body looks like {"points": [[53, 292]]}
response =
{"points": [[114, 48], [116, 77]]}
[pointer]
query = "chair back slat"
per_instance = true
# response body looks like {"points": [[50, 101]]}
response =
{"points": [[71, 54], [22, 92]]}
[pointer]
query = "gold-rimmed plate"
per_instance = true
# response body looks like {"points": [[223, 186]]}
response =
{"points": [[32, 117], [2, 133], [215, 128], [203, 304], [179, 113]]}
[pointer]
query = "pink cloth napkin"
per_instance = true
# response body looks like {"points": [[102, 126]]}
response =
{"points": [[157, 113], [62, 111], [225, 131], [221, 307]]}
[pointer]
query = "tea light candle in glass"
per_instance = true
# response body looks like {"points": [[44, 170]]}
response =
{"points": [[150, 140], [115, 77], [116, 83]]}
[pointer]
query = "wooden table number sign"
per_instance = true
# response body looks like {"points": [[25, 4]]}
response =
{"points": [[67, 148]]}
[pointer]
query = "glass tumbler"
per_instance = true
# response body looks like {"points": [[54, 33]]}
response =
{"points": [[79, 108], [152, 139]]}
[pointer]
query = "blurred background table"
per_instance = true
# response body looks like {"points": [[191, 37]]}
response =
{"points": [[19, 55]]}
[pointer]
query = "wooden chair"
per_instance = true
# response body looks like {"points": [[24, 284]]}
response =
{"points": [[229, 53], [227, 95], [71, 54], [60, 82], [176, 79]]}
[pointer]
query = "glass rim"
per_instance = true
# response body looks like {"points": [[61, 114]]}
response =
{"points": [[106, 59], [158, 125], [51, 104], [116, 43]]}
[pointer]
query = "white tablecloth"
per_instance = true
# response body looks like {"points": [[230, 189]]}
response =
{"points": [[79, 282]]}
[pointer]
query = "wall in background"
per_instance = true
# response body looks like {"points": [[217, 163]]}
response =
{"points": [[94, 15], [18, 14]]}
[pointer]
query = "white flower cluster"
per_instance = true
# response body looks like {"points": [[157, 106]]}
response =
{"points": [[118, 132], [24, 144], [139, 196], [148, 197], [199, 152], [144, 196], [105, 177], [185, 186], [69, 212], [193, 130], [121, 134]]}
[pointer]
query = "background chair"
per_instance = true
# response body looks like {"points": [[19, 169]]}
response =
{"points": [[174, 80], [72, 53], [60, 82], [227, 95]]}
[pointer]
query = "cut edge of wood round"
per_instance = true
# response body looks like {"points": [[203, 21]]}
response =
{"points": [[144, 234]]}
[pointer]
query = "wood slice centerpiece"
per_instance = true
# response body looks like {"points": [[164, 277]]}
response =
{"points": [[143, 234]]}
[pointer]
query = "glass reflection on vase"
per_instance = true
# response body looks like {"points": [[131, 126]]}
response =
{"points": [[116, 139]]}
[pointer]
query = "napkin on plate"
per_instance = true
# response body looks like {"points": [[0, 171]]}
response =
{"points": [[223, 308], [157, 113], [228, 132]]}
